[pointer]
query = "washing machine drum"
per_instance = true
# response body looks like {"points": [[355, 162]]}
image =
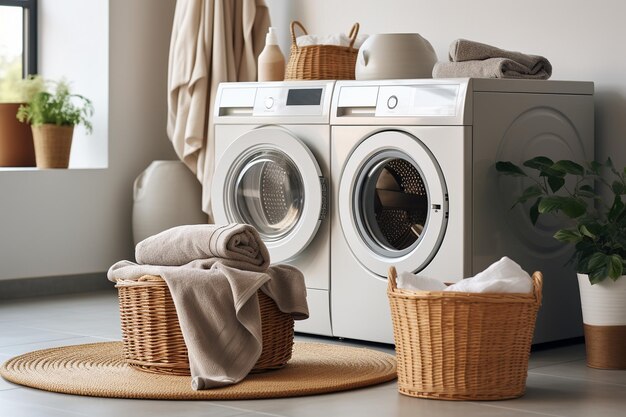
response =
{"points": [[392, 203]]}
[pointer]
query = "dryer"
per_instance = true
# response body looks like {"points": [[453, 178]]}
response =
{"points": [[414, 186], [272, 153]]}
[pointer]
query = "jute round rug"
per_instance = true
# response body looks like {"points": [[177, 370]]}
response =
{"points": [[98, 370]]}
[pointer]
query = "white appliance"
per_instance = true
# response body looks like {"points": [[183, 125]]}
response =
{"points": [[272, 152], [414, 185]]}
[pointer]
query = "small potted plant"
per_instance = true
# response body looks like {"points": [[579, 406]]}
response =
{"points": [[16, 139], [597, 231], [52, 116]]}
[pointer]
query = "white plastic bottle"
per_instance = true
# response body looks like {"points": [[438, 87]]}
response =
{"points": [[271, 63]]}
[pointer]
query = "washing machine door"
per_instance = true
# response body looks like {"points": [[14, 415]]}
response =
{"points": [[393, 203], [269, 178]]}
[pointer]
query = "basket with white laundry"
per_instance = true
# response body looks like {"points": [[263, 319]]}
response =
{"points": [[460, 345]]}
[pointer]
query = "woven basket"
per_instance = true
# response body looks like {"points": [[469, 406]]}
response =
{"points": [[321, 62], [153, 340], [463, 346], [53, 145]]}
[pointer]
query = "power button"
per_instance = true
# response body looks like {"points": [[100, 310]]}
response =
{"points": [[269, 102], [392, 102]]}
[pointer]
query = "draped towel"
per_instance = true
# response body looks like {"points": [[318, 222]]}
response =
{"points": [[212, 41]]}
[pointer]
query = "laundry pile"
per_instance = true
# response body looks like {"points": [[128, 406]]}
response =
{"points": [[504, 276], [213, 274], [479, 60]]}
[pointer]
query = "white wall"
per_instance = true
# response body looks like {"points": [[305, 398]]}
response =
{"points": [[62, 222], [584, 40], [74, 45]]}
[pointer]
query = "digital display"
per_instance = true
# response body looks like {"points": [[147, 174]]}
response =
{"points": [[304, 97]]}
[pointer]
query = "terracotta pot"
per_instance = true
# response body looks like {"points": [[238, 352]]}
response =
{"points": [[52, 145], [604, 316], [16, 139]]}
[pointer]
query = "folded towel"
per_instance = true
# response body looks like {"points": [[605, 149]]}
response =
{"points": [[479, 60], [504, 276], [488, 68], [216, 302], [235, 245]]}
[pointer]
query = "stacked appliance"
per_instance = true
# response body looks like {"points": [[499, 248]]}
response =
{"points": [[412, 185]]}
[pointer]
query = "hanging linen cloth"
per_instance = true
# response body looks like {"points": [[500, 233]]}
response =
{"points": [[212, 41]]}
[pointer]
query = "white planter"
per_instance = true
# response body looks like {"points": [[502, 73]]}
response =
{"points": [[603, 304], [604, 316]]}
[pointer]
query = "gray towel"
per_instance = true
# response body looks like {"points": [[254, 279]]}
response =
{"points": [[474, 59], [216, 303]]}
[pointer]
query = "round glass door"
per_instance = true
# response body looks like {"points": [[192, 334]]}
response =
{"points": [[269, 178], [269, 193], [392, 203]]}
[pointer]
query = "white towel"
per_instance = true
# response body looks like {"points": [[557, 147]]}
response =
{"points": [[339, 39], [411, 282], [504, 276]]}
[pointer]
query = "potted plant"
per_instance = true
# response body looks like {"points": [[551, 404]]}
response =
{"points": [[597, 231], [52, 116], [16, 139]]}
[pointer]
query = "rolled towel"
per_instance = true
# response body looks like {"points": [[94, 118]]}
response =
{"points": [[235, 245], [411, 282], [488, 68]]}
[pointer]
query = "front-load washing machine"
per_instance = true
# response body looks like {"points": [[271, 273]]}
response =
{"points": [[415, 187], [272, 153]]}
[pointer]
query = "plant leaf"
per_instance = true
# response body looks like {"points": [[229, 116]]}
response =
{"points": [[568, 235], [615, 266], [618, 187], [597, 261], [509, 168], [586, 232], [569, 166], [528, 193], [570, 206], [539, 163], [555, 183], [595, 166], [534, 211]]}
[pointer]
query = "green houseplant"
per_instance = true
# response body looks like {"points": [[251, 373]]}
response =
{"points": [[597, 232], [53, 111]]}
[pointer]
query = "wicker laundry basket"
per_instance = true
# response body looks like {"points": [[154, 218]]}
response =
{"points": [[463, 346], [153, 340], [321, 62]]}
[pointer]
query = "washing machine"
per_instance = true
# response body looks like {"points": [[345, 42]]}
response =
{"points": [[415, 187], [272, 153]]}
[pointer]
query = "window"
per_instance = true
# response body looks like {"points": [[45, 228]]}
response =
{"points": [[18, 40]]}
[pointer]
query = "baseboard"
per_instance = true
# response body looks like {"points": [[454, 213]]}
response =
{"points": [[42, 286]]}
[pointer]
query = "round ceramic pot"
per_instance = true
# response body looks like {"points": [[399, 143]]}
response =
{"points": [[16, 139], [395, 56], [604, 317]]}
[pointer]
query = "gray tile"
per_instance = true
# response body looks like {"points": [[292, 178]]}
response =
{"points": [[563, 354], [375, 402], [13, 406], [15, 350], [106, 407], [14, 334], [580, 370], [567, 397]]}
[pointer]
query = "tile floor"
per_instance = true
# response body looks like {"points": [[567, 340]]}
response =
{"points": [[559, 383]]}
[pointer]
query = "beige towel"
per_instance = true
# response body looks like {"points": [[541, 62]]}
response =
{"points": [[217, 304], [212, 41], [479, 60]]}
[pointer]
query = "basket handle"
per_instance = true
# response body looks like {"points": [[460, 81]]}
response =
{"points": [[292, 29], [353, 33], [537, 285], [392, 275]]}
